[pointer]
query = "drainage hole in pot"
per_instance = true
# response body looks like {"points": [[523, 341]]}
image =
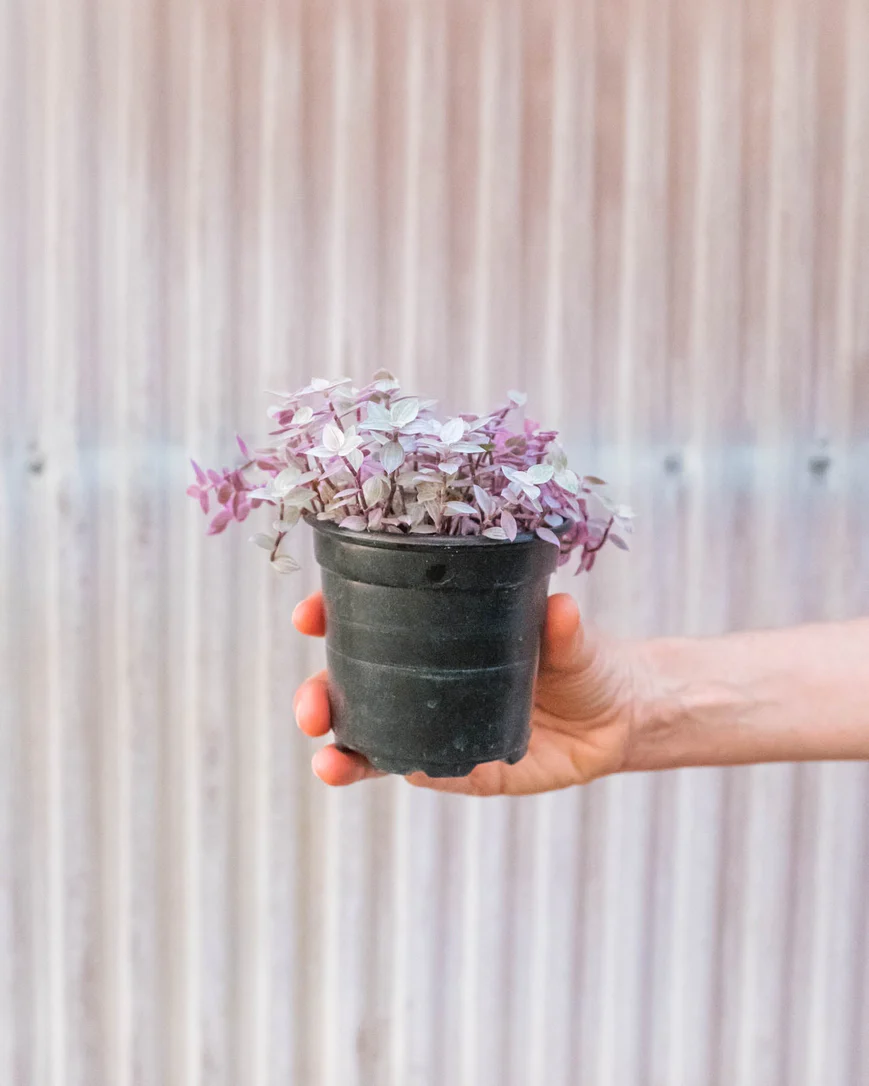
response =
{"points": [[434, 574]]}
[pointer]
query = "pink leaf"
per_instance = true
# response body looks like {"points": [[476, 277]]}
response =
{"points": [[224, 493], [193, 491], [508, 523], [355, 524], [548, 536], [392, 456], [201, 477], [619, 542], [284, 563], [220, 522], [204, 502], [461, 509], [484, 500], [242, 446], [587, 562]]}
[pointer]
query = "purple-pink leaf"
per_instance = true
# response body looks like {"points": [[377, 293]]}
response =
{"points": [[619, 542], [392, 456], [508, 523], [404, 412], [495, 533], [452, 431], [244, 449], [201, 477], [461, 509], [355, 524], [485, 501], [219, 522], [548, 536], [284, 564]]}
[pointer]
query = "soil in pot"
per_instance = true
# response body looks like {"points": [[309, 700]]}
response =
{"points": [[432, 645]]}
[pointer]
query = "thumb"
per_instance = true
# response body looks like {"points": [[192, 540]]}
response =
{"points": [[563, 635]]}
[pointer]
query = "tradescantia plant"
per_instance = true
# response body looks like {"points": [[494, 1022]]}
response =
{"points": [[375, 459]]}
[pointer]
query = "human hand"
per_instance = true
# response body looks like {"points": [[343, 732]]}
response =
{"points": [[584, 715]]}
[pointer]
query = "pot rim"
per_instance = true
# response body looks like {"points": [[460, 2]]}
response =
{"points": [[394, 541]]}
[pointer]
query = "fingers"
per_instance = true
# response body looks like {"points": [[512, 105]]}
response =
{"points": [[309, 617], [311, 706], [340, 767], [562, 643], [332, 766], [483, 780]]}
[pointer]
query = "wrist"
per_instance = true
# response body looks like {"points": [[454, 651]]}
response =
{"points": [[656, 714], [684, 715], [760, 696]]}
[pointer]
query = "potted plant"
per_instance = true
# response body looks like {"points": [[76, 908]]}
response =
{"points": [[436, 540]]}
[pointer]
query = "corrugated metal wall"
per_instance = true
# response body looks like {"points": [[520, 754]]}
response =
{"points": [[654, 215]]}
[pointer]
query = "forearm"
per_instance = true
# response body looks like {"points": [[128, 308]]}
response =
{"points": [[799, 694]]}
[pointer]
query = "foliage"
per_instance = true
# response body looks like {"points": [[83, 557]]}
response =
{"points": [[375, 459]]}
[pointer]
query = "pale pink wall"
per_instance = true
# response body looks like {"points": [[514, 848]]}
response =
{"points": [[653, 215]]}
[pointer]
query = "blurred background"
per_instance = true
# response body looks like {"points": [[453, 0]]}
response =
{"points": [[652, 215]]}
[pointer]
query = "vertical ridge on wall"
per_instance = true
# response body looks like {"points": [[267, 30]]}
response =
{"points": [[16, 839], [115, 652], [186, 44], [653, 218], [47, 324]]}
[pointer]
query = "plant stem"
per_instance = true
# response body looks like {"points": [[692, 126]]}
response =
{"points": [[603, 539], [355, 475], [280, 538]]}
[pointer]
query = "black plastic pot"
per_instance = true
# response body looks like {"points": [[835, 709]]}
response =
{"points": [[432, 645]]}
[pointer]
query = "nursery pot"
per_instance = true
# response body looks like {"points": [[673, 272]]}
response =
{"points": [[432, 645]]}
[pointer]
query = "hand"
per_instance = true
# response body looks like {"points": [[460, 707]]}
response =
{"points": [[583, 719]]}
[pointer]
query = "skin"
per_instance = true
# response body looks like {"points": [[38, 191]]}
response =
{"points": [[605, 707]]}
